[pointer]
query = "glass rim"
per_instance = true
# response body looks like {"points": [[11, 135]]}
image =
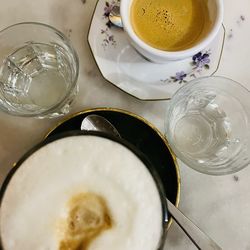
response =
{"points": [[73, 84], [199, 79]]}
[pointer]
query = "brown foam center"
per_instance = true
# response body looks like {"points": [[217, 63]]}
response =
{"points": [[88, 217]]}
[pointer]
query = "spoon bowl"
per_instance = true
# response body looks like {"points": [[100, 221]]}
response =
{"points": [[115, 16], [98, 123]]}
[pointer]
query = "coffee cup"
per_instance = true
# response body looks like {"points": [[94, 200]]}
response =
{"points": [[83, 190], [171, 30]]}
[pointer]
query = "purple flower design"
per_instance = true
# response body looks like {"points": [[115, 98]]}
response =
{"points": [[179, 77], [111, 38], [107, 9], [201, 61], [108, 38]]}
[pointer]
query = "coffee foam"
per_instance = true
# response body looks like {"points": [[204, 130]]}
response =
{"points": [[171, 25], [37, 195], [88, 217]]}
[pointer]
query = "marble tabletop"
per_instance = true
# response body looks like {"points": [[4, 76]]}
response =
{"points": [[219, 205]]}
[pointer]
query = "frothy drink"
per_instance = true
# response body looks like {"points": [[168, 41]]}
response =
{"points": [[81, 193]]}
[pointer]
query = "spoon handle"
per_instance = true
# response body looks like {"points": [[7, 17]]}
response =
{"points": [[199, 238]]}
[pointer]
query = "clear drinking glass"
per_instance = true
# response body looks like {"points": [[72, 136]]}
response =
{"points": [[208, 124], [38, 71]]}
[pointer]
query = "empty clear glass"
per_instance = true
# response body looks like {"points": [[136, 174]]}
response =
{"points": [[38, 71], [208, 124]]}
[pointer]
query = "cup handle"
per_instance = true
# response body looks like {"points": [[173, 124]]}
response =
{"points": [[198, 237]]}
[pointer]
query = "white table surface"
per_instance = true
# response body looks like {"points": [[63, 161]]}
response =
{"points": [[219, 205]]}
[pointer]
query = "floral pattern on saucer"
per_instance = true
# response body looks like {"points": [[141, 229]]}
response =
{"points": [[108, 38], [200, 62], [124, 67], [107, 9]]}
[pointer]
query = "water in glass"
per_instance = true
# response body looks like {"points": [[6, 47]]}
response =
{"points": [[207, 123], [35, 76]]}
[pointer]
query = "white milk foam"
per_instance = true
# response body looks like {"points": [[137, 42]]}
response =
{"points": [[37, 195]]}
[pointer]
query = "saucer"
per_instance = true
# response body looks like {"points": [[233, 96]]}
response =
{"points": [[122, 66], [142, 135]]}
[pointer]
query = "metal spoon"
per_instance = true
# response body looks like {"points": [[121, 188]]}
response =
{"points": [[198, 237], [98, 123], [115, 16]]}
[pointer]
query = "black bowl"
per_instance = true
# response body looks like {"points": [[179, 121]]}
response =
{"points": [[121, 141]]}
